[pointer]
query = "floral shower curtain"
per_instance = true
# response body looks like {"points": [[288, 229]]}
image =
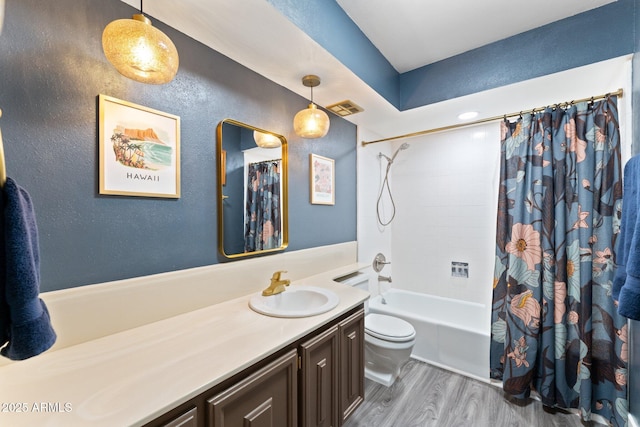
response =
{"points": [[262, 223], [555, 329]]}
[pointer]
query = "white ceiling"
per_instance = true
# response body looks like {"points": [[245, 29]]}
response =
{"points": [[257, 35]]}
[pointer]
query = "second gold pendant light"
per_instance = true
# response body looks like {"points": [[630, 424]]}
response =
{"points": [[311, 122]]}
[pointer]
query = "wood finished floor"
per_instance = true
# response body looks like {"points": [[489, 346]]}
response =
{"points": [[426, 396]]}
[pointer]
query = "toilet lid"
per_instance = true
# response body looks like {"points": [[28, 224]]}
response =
{"points": [[388, 328]]}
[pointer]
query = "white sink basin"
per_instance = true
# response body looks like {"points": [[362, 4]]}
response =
{"points": [[295, 301]]}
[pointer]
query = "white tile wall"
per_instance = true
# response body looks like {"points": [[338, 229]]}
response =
{"points": [[445, 187]]}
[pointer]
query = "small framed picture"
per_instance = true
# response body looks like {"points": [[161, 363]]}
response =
{"points": [[139, 150], [322, 180]]}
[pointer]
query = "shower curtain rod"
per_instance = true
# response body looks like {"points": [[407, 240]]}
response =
{"points": [[266, 161], [491, 119]]}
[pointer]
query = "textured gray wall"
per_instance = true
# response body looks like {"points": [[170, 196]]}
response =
{"points": [[52, 70]]}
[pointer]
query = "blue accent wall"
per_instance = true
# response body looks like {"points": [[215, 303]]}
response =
{"points": [[593, 36], [596, 35], [327, 24], [52, 71]]}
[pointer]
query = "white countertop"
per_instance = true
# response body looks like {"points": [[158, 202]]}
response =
{"points": [[132, 377]]}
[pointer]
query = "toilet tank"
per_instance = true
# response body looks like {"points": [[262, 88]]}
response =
{"points": [[358, 280]]}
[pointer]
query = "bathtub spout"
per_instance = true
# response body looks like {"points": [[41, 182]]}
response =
{"points": [[384, 278]]}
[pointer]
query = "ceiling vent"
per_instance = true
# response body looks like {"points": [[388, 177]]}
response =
{"points": [[345, 108]]}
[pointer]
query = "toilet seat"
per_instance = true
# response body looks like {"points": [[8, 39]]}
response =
{"points": [[388, 328]]}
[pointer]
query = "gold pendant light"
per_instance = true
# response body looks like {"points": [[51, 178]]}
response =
{"points": [[311, 122], [140, 51]]}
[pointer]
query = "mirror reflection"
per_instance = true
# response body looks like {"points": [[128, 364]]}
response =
{"points": [[252, 190]]}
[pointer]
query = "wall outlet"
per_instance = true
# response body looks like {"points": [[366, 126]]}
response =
{"points": [[460, 269]]}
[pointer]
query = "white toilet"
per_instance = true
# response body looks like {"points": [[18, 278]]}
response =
{"points": [[388, 340]]}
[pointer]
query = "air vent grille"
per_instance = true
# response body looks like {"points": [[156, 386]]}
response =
{"points": [[345, 108]]}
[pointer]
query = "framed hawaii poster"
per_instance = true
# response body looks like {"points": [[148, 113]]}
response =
{"points": [[139, 150]]}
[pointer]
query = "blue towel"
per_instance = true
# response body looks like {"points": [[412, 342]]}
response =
{"points": [[627, 223], [25, 326], [626, 282]]}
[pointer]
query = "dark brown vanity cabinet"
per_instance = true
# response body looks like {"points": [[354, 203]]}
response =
{"points": [[267, 398], [332, 375], [317, 380]]}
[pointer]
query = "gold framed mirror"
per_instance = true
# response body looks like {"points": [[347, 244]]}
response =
{"points": [[252, 190]]}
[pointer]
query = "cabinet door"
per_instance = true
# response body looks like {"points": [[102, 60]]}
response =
{"points": [[351, 363], [319, 397], [268, 398]]}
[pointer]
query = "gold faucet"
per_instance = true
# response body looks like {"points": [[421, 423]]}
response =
{"points": [[277, 285]]}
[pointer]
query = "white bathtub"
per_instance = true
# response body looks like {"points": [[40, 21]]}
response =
{"points": [[450, 333]]}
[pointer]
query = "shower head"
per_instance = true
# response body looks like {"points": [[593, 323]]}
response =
{"points": [[402, 147], [390, 160]]}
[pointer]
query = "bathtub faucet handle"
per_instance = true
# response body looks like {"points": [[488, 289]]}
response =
{"points": [[379, 262]]}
